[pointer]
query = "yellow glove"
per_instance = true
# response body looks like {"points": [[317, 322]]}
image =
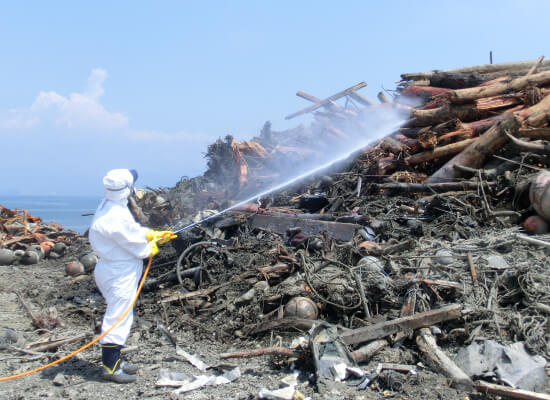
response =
{"points": [[154, 249], [161, 237]]}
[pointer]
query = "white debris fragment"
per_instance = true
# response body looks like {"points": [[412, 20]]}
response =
{"points": [[171, 378], [286, 393], [207, 380], [192, 359], [339, 371]]}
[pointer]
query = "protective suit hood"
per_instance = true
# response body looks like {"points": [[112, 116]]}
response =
{"points": [[118, 184]]}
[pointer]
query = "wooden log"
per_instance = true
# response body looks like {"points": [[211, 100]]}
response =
{"points": [[334, 97], [439, 187], [496, 102], [438, 152], [456, 80], [440, 362], [475, 154], [463, 112], [424, 92], [470, 94], [482, 69], [384, 329], [365, 353], [538, 115], [509, 392]]}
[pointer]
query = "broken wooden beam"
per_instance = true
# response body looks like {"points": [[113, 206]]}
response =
{"points": [[281, 224], [384, 329], [366, 352], [323, 102], [440, 362], [474, 155]]}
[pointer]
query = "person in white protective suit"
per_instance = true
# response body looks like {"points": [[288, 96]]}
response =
{"points": [[121, 244]]}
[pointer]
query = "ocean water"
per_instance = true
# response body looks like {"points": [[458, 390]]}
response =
{"points": [[64, 210]]}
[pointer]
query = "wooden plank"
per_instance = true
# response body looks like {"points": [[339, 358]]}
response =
{"points": [[334, 97], [281, 224], [383, 329]]}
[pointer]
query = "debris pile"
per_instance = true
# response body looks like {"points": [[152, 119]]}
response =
{"points": [[373, 275], [366, 249], [27, 240]]}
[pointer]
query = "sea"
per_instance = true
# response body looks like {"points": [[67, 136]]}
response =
{"points": [[71, 212]]}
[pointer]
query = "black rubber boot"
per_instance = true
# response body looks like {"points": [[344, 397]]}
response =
{"points": [[112, 370]]}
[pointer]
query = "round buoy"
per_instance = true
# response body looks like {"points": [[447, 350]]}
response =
{"points": [[74, 268], [38, 250], [7, 257], [47, 247], [535, 225], [59, 248], [89, 261], [301, 307], [30, 257]]}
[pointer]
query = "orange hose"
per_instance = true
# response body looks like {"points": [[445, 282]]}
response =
{"points": [[32, 371]]}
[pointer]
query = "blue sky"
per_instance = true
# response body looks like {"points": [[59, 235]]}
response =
{"points": [[87, 87]]}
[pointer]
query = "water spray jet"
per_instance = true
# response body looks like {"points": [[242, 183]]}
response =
{"points": [[310, 172]]}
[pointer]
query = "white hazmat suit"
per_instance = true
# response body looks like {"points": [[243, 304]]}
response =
{"points": [[121, 245]]}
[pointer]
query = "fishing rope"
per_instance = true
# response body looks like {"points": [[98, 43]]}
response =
{"points": [[43, 367]]}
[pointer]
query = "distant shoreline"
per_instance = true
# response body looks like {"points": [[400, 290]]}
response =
{"points": [[64, 210]]}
